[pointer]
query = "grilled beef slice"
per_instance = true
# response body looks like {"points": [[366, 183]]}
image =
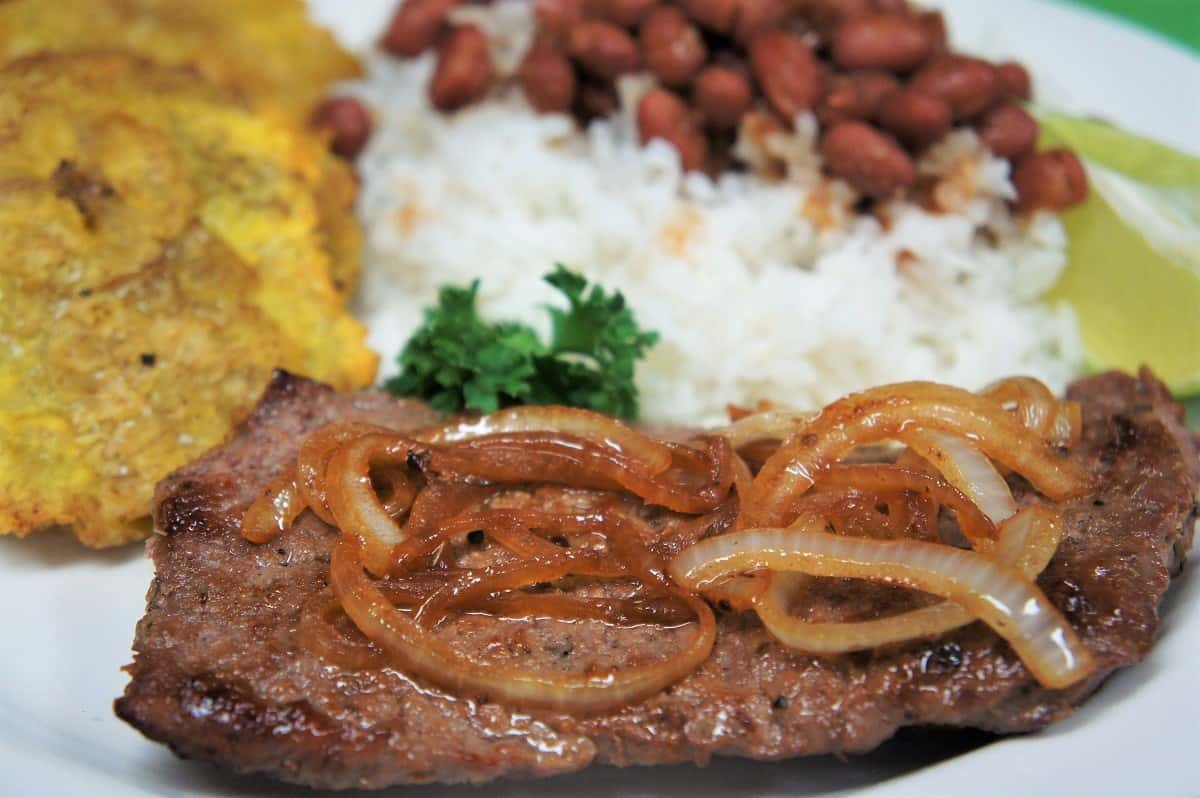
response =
{"points": [[219, 675]]}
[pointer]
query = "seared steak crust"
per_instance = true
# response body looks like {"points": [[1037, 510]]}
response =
{"points": [[218, 674]]}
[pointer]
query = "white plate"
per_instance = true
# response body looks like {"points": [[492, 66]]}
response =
{"points": [[70, 613]]}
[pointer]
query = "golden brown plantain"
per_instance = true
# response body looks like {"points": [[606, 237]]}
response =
{"points": [[266, 51], [164, 250], [269, 51]]}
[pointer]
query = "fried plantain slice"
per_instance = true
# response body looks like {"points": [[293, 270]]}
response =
{"points": [[110, 189], [103, 393], [340, 230], [268, 51], [165, 249], [256, 182]]}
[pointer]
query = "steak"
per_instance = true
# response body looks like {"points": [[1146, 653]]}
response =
{"points": [[218, 674]]}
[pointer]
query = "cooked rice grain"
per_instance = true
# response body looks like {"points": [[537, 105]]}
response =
{"points": [[760, 290]]}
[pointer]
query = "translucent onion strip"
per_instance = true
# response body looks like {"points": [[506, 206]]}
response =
{"points": [[1059, 421], [965, 467], [768, 425], [473, 585], [274, 511], [353, 502], [998, 595], [562, 459], [318, 635], [313, 461], [1027, 542], [318, 631], [421, 652], [587, 424], [1029, 539], [883, 478], [884, 413], [617, 612]]}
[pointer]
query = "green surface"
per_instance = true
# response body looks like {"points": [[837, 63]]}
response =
{"points": [[1141, 158], [1152, 308], [1133, 264], [1178, 20]]}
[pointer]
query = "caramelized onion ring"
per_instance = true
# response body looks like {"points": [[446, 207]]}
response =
{"points": [[768, 425], [317, 634], [352, 500], [404, 505], [566, 460], [965, 468], [902, 514], [884, 413], [997, 594], [274, 511], [873, 478], [1027, 542], [423, 532], [666, 611], [424, 654], [589, 425], [313, 461], [472, 585], [1059, 421]]}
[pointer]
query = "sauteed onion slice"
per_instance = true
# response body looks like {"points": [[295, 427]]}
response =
{"points": [[410, 506], [995, 593], [882, 414], [1027, 542], [423, 653]]}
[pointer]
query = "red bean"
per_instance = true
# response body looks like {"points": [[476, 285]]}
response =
{"points": [[968, 85], [672, 47], [826, 15], [1053, 180], [873, 89], [547, 78], [662, 115], [626, 13], [416, 26], [722, 95], [935, 26], [346, 121], [556, 17], [915, 118], [716, 15], [1009, 131], [787, 71], [868, 159], [894, 42], [464, 69], [603, 48], [757, 16], [1014, 80], [858, 95]]}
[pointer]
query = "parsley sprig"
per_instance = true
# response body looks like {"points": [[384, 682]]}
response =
{"points": [[457, 360]]}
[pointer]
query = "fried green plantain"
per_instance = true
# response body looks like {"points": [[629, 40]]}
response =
{"points": [[165, 249], [104, 392], [268, 51]]}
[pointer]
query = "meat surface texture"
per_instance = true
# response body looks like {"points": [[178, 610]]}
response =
{"points": [[218, 673]]}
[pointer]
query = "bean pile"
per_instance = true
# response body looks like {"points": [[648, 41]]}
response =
{"points": [[878, 74]]}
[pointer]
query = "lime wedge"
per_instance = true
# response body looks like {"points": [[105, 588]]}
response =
{"points": [[1138, 157], [1133, 258]]}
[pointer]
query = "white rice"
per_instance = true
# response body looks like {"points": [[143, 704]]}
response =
{"points": [[751, 299]]}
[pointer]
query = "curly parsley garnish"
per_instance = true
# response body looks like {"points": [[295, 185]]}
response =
{"points": [[457, 360]]}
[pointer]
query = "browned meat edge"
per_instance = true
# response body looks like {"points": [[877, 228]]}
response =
{"points": [[218, 675]]}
